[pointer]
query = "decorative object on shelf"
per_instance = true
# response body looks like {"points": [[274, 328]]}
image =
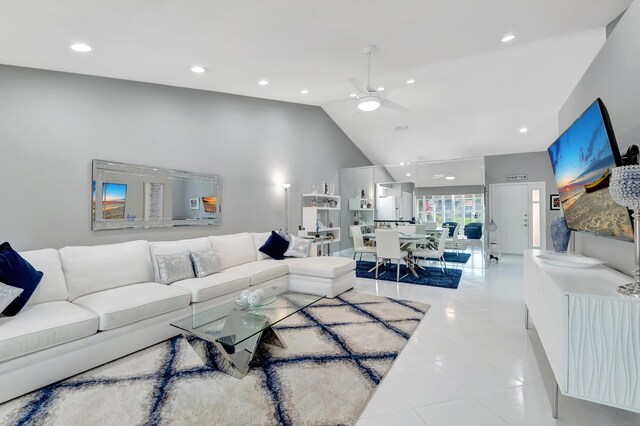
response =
{"points": [[560, 234], [325, 188], [194, 203], [554, 202], [362, 193], [332, 189], [314, 203], [315, 189], [624, 188], [318, 226], [368, 205], [333, 203], [330, 224]]}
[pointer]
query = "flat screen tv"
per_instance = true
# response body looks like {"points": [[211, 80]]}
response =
{"points": [[582, 159]]}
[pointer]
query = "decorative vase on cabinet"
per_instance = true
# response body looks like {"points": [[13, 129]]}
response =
{"points": [[560, 234]]}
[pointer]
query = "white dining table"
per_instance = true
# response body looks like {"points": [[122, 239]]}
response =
{"points": [[407, 242]]}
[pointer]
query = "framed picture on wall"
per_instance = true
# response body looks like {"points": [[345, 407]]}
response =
{"points": [[194, 203], [554, 202]]}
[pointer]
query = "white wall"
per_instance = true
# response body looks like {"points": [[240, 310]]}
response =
{"points": [[536, 165], [53, 124], [613, 76]]}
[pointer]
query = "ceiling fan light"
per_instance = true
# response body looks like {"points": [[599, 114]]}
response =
{"points": [[368, 103]]}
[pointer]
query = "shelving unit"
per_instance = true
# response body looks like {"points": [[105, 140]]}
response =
{"points": [[358, 208], [327, 211]]}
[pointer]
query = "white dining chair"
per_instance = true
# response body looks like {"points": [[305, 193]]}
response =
{"points": [[437, 254], [388, 248], [358, 243], [452, 242]]}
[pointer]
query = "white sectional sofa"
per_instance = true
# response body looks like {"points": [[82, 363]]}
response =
{"points": [[98, 303]]}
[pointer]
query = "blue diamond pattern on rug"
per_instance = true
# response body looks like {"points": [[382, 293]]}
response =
{"points": [[428, 276], [338, 351]]}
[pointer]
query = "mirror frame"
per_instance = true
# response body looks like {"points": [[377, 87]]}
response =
{"points": [[100, 168]]}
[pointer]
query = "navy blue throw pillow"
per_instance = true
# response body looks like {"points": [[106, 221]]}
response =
{"points": [[275, 246], [17, 272]]}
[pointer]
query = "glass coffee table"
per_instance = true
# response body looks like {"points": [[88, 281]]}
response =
{"points": [[226, 337]]}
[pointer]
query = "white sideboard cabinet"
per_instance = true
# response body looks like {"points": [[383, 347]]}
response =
{"points": [[589, 332]]}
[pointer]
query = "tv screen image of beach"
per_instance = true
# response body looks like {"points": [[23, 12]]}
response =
{"points": [[582, 159]]}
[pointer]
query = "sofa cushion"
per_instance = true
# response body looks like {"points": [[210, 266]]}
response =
{"points": [[259, 238], [125, 305], [53, 285], [172, 247], [17, 272], [97, 268], [213, 285], [261, 270], [234, 249], [42, 326], [321, 266], [275, 246]]}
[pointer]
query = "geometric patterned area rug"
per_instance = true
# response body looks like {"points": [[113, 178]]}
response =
{"points": [[338, 351], [427, 275]]}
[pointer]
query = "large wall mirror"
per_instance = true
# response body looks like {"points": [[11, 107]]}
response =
{"points": [[130, 196]]}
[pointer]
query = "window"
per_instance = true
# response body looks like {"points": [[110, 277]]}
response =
{"points": [[463, 208]]}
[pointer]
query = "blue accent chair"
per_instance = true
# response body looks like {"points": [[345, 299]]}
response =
{"points": [[473, 231]]}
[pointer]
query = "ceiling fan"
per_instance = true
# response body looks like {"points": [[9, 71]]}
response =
{"points": [[368, 98]]}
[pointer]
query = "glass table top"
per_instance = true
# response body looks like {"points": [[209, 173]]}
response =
{"points": [[231, 324]]}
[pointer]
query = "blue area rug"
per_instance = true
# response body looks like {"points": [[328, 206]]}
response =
{"points": [[428, 276], [450, 256]]}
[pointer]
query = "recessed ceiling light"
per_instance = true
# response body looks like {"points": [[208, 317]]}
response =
{"points": [[81, 47], [402, 164], [263, 82], [450, 177], [353, 95], [408, 174], [198, 69], [304, 91], [380, 89], [411, 81], [507, 38], [523, 130]]}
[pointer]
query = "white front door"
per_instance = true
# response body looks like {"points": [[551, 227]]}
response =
{"points": [[510, 211]]}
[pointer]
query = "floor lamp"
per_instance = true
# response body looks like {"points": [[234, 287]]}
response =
{"points": [[286, 187]]}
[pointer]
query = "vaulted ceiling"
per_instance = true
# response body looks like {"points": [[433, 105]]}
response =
{"points": [[471, 96]]}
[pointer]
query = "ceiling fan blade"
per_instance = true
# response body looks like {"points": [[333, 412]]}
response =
{"points": [[392, 105], [359, 86]]}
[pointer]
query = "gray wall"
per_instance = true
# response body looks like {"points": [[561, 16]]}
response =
{"points": [[614, 77], [53, 124], [450, 190], [534, 164]]}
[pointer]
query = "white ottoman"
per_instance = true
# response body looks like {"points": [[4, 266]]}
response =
{"points": [[322, 275]]}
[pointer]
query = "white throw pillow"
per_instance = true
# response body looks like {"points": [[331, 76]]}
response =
{"points": [[298, 247], [7, 295], [205, 263]]}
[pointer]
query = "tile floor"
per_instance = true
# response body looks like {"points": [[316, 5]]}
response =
{"points": [[471, 362]]}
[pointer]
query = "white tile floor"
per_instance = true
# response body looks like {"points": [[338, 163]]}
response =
{"points": [[471, 362]]}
